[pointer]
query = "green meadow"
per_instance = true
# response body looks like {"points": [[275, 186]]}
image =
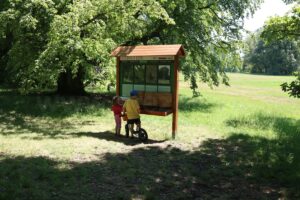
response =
{"points": [[237, 142]]}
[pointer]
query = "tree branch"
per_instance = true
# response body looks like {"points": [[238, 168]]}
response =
{"points": [[155, 33], [208, 6], [98, 16]]}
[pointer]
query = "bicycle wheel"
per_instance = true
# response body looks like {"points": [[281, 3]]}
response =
{"points": [[143, 136]]}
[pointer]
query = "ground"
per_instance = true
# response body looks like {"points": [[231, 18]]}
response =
{"points": [[238, 142]]}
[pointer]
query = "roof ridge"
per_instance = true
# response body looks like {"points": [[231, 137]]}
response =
{"points": [[149, 50]]}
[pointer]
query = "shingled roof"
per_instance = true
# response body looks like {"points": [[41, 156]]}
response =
{"points": [[149, 50]]}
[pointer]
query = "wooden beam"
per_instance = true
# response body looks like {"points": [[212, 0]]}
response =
{"points": [[175, 98], [157, 113], [118, 77]]}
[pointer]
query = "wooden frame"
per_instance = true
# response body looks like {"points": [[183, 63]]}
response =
{"points": [[159, 54], [175, 98], [118, 77]]}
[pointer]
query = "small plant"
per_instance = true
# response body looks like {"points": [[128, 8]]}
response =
{"points": [[293, 88]]}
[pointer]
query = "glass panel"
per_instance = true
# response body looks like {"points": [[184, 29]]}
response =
{"points": [[126, 88], [127, 74], [151, 74], [139, 87], [151, 88], [164, 74], [139, 74], [164, 89]]}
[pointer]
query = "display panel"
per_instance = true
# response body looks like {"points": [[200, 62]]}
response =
{"points": [[164, 88], [151, 74], [164, 74], [139, 87], [139, 74], [126, 88], [151, 88], [127, 74], [145, 77]]}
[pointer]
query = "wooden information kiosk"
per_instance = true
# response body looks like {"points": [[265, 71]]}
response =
{"points": [[152, 70]]}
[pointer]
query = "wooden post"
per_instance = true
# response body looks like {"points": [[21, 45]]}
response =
{"points": [[175, 98], [118, 77]]}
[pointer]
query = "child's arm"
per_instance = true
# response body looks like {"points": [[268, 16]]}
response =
{"points": [[124, 108]]}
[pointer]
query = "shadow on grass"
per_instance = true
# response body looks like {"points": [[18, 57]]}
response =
{"points": [[238, 167], [52, 105], [14, 124], [44, 113], [283, 126], [198, 104], [110, 136]]}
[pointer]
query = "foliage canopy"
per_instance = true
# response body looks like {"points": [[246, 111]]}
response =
{"points": [[54, 42], [286, 27]]}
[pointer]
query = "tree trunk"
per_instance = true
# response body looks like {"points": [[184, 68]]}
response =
{"points": [[5, 46], [69, 84]]}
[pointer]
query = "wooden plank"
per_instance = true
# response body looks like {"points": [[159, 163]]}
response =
{"points": [[175, 98], [157, 113], [118, 77]]}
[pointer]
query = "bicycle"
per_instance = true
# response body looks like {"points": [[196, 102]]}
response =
{"points": [[139, 132]]}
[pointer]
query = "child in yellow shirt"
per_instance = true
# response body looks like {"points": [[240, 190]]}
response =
{"points": [[132, 108]]}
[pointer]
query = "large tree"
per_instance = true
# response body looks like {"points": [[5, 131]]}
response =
{"points": [[67, 43], [280, 57], [286, 27], [24, 27]]}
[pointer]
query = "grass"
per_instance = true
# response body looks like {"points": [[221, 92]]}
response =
{"points": [[238, 142]]}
